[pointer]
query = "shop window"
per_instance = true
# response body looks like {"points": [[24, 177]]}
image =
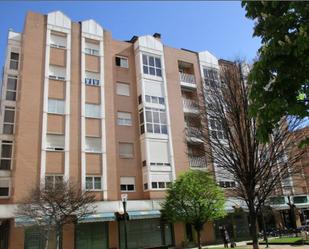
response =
{"points": [[92, 235]]}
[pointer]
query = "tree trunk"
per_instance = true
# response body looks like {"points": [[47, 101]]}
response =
{"points": [[253, 229], [199, 239], [47, 238], [58, 234]]}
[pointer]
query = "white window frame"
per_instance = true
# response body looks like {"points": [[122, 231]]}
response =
{"points": [[147, 67], [126, 156], [211, 77], [123, 121], [55, 45], [92, 78], [122, 178], [118, 85], [165, 185], [10, 143], [9, 188], [57, 77], [216, 129], [13, 61], [55, 148], [93, 113], [59, 106], [54, 181], [227, 184], [155, 99], [93, 149], [6, 123], [124, 61], [90, 50], [93, 183], [14, 77], [153, 124]]}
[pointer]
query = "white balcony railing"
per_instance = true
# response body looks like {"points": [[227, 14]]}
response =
{"points": [[198, 162], [187, 78], [190, 105], [194, 132]]}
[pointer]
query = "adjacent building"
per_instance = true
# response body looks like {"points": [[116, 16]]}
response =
{"points": [[115, 116]]}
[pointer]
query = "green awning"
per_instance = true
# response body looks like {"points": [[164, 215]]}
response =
{"points": [[137, 215], [99, 217]]}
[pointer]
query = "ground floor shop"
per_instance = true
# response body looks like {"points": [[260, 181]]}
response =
{"points": [[141, 233]]}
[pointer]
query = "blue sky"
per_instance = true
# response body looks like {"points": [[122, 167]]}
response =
{"points": [[219, 27]]}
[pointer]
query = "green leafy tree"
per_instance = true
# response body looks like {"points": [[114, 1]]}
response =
{"points": [[194, 198], [280, 76]]}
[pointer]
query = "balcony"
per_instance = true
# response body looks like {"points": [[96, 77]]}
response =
{"points": [[190, 106], [198, 162], [194, 135], [187, 80]]}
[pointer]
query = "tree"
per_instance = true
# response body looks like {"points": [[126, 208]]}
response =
{"points": [[194, 198], [51, 207], [280, 76], [230, 137]]}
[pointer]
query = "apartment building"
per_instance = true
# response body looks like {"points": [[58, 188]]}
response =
{"points": [[114, 116]]}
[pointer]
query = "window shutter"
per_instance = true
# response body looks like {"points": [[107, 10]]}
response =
{"points": [[123, 89], [126, 149], [93, 144]]}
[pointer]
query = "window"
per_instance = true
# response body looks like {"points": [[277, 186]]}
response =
{"points": [[154, 99], [227, 184], [8, 121], [92, 111], [93, 183], [152, 65], [57, 73], [56, 106], [126, 150], [211, 77], [6, 155], [55, 142], [92, 48], [11, 87], [156, 121], [58, 40], [141, 121], [159, 164], [122, 62], [14, 57], [160, 185], [123, 89], [52, 181], [4, 187], [124, 118], [216, 129], [93, 144], [92, 78], [145, 186], [127, 184]]}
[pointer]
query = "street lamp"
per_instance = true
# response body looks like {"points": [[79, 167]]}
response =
{"points": [[124, 198]]}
